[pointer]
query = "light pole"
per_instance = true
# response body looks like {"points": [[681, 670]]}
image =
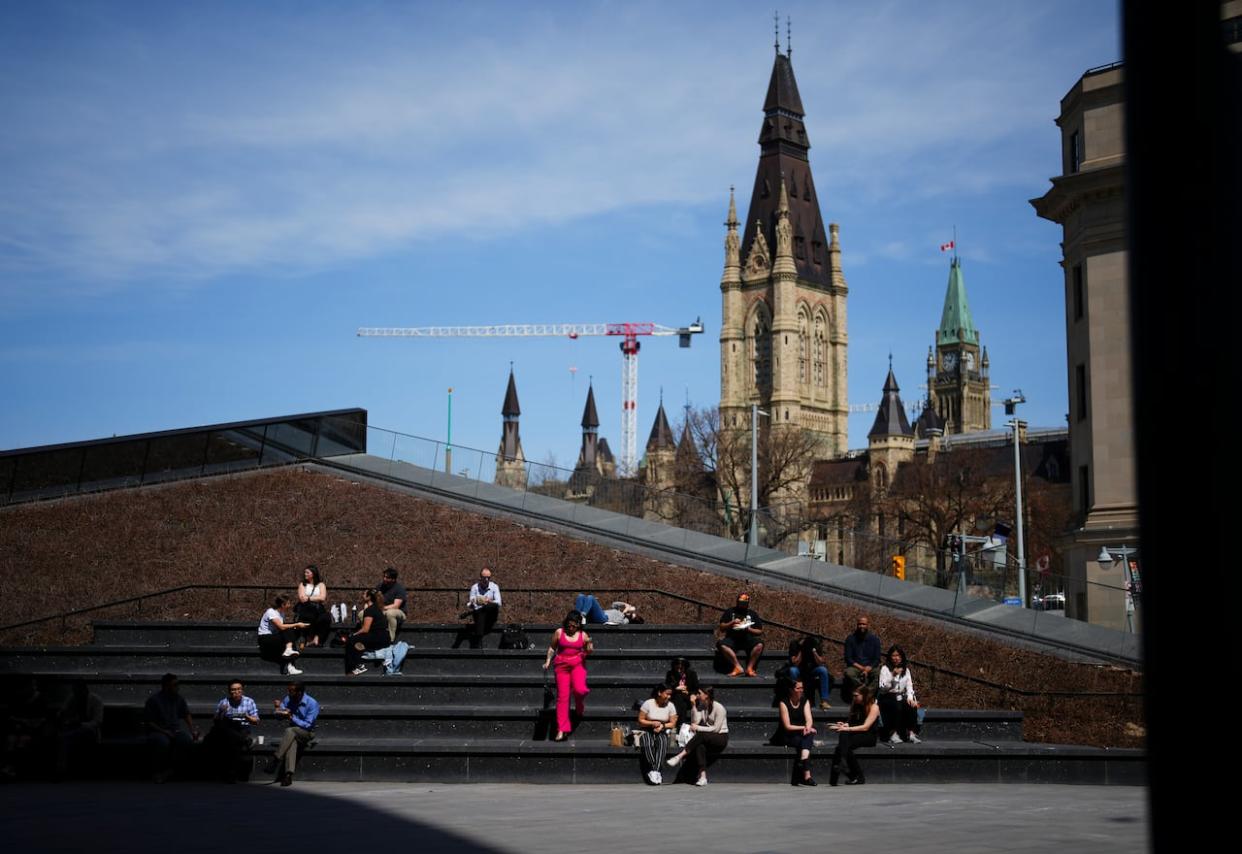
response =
{"points": [[448, 439], [1105, 560], [755, 412], [1011, 408]]}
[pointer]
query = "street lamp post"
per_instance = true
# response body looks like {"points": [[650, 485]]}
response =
{"points": [[755, 412], [1011, 408], [1105, 560]]}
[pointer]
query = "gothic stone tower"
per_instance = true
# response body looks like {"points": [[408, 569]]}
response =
{"points": [[510, 461], [959, 385], [782, 338]]}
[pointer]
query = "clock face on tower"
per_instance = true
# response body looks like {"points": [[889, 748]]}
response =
{"points": [[969, 360], [949, 361]]}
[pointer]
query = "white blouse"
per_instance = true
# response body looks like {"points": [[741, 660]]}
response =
{"points": [[900, 686]]}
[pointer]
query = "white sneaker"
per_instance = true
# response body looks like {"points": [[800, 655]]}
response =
{"points": [[359, 670], [292, 671], [290, 653], [675, 761], [702, 781], [894, 739], [654, 777], [914, 739]]}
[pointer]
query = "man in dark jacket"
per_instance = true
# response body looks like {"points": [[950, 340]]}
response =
{"points": [[862, 659]]}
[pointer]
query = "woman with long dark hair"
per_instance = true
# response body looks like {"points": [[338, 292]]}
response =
{"points": [[569, 647], [797, 729], [709, 721], [899, 708], [371, 634], [311, 608], [657, 718], [806, 665], [276, 637], [859, 730], [685, 684]]}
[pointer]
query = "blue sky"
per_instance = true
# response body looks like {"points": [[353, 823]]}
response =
{"points": [[200, 203]]}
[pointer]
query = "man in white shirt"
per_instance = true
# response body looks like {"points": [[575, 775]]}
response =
{"points": [[483, 609]]}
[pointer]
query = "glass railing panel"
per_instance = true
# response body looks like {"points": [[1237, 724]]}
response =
{"points": [[113, 465], [342, 434], [237, 449], [47, 474]]}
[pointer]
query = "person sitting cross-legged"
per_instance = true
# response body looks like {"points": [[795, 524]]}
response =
{"points": [[300, 711], [482, 609], [741, 637], [709, 723], [371, 634]]}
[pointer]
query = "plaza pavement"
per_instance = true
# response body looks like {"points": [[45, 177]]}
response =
{"points": [[329, 817]]}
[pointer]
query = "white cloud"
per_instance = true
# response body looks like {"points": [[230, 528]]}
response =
{"points": [[241, 159]]}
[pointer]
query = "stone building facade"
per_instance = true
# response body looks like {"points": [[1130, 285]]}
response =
{"points": [[783, 335]]}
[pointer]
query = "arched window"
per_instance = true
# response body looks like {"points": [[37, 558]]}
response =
{"points": [[804, 350], [820, 353], [761, 347]]}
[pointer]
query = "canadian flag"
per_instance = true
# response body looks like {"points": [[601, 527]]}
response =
{"points": [[945, 247]]}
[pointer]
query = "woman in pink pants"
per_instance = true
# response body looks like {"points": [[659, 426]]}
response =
{"points": [[570, 646]]}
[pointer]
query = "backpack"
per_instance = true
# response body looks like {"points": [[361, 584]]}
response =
{"points": [[514, 637]]}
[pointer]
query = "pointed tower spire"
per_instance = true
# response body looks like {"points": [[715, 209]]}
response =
{"points": [[733, 253], [956, 326], [891, 419], [784, 260], [590, 418], [784, 148], [511, 409], [661, 437]]}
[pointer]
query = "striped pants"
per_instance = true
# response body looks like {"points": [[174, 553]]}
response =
{"points": [[654, 746]]}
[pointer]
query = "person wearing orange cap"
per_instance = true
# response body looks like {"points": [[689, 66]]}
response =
{"points": [[740, 637]]}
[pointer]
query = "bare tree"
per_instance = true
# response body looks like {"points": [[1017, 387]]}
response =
{"points": [[785, 456]]}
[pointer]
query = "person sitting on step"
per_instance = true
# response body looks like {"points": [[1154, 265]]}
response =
{"points": [[300, 711], [371, 633], [276, 637], [230, 738], [482, 609], [740, 638], [806, 665], [395, 605], [899, 708], [862, 659], [858, 731], [796, 729], [312, 607], [709, 724], [657, 718], [685, 684]]}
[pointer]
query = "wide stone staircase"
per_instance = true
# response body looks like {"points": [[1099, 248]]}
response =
{"points": [[461, 715]]}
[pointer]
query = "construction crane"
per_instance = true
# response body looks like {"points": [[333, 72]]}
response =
{"points": [[628, 332]]}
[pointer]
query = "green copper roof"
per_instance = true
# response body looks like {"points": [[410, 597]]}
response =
{"points": [[956, 327]]}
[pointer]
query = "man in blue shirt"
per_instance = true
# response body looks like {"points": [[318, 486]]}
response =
{"points": [[300, 710], [862, 659]]}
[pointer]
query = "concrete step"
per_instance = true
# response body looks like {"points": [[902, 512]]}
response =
{"points": [[531, 722], [420, 635], [463, 760], [416, 689], [245, 660]]}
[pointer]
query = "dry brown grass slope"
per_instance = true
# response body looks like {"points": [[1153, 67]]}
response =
{"points": [[261, 528]]}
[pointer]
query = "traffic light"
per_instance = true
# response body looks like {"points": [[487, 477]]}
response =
{"points": [[899, 567]]}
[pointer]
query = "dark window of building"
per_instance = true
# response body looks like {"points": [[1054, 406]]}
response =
{"points": [[1080, 390], [1233, 30], [1084, 490], [799, 248], [879, 523], [1075, 151], [817, 252], [1079, 297]]}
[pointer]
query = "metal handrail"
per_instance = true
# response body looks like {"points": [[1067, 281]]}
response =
{"points": [[999, 686]]}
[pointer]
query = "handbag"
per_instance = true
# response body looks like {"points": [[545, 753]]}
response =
{"points": [[617, 736]]}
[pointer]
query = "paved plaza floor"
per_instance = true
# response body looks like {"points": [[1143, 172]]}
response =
{"points": [[322, 817]]}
